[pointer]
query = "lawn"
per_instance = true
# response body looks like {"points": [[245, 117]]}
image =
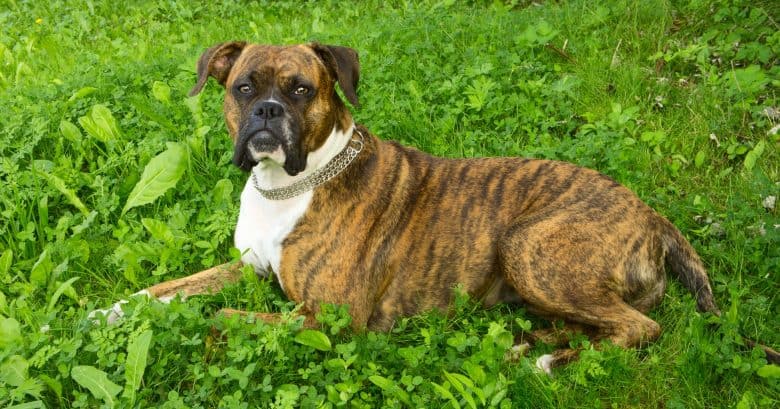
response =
{"points": [[676, 100]]}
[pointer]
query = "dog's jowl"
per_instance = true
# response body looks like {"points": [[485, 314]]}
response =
{"points": [[340, 216]]}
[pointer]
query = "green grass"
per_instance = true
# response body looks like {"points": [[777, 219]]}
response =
{"points": [[676, 100]]}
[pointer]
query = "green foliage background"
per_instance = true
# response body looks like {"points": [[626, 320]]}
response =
{"points": [[677, 100]]}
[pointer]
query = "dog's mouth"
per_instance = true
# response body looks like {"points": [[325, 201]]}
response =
{"points": [[262, 142], [252, 147], [265, 145]]}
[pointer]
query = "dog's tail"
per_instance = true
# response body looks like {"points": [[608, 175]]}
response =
{"points": [[684, 262]]}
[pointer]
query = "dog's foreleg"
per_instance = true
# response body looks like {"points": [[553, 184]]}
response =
{"points": [[204, 282]]}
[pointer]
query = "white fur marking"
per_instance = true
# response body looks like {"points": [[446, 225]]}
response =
{"points": [[544, 363], [263, 224], [287, 131], [516, 352], [277, 155], [142, 292], [114, 313]]}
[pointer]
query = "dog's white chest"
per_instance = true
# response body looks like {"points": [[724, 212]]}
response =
{"points": [[263, 225]]}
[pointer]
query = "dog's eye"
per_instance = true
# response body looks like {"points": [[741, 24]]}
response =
{"points": [[301, 91], [245, 89]]}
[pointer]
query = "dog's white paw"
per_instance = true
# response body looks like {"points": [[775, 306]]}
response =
{"points": [[544, 364], [516, 352], [114, 313]]}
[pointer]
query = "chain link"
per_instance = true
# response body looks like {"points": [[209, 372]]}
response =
{"points": [[318, 177]]}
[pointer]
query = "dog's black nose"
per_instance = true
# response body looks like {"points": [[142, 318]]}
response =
{"points": [[268, 110]]}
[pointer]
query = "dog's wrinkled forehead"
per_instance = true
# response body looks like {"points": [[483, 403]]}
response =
{"points": [[272, 63]]}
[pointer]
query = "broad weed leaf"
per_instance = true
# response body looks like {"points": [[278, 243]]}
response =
{"points": [[381, 382], [444, 392], [28, 405], [97, 382], [160, 174], [746, 402], [39, 275], [161, 92], [465, 386], [701, 156], [202, 131], [222, 192], [753, 155], [92, 130], [10, 333], [314, 339], [390, 387], [69, 194], [105, 121], [158, 230], [70, 131], [14, 370], [53, 384], [22, 70], [5, 262], [193, 103], [60, 290], [476, 373], [500, 335], [137, 352], [81, 93], [769, 371], [100, 124]]}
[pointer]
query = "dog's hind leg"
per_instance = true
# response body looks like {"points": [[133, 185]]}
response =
{"points": [[612, 319], [556, 335], [622, 325], [564, 268]]}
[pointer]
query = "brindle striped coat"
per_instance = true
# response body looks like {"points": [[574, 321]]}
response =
{"points": [[394, 233]]}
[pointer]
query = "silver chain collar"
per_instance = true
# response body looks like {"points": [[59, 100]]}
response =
{"points": [[319, 176]]}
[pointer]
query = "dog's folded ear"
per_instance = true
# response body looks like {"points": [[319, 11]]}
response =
{"points": [[343, 64], [217, 62]]}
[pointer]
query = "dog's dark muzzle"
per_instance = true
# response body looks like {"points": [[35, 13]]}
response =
{"points": [[268, 129], [263, 141], [260, 135], [257, 142]]}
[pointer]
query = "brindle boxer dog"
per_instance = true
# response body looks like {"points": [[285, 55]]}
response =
{"points": [[340, 216]]}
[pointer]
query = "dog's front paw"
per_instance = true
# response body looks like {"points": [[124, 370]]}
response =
{"points": [[114, 313], [544, 364], [516, 352]]}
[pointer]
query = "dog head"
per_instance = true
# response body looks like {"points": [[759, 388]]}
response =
{"points": [[281, 101]]}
